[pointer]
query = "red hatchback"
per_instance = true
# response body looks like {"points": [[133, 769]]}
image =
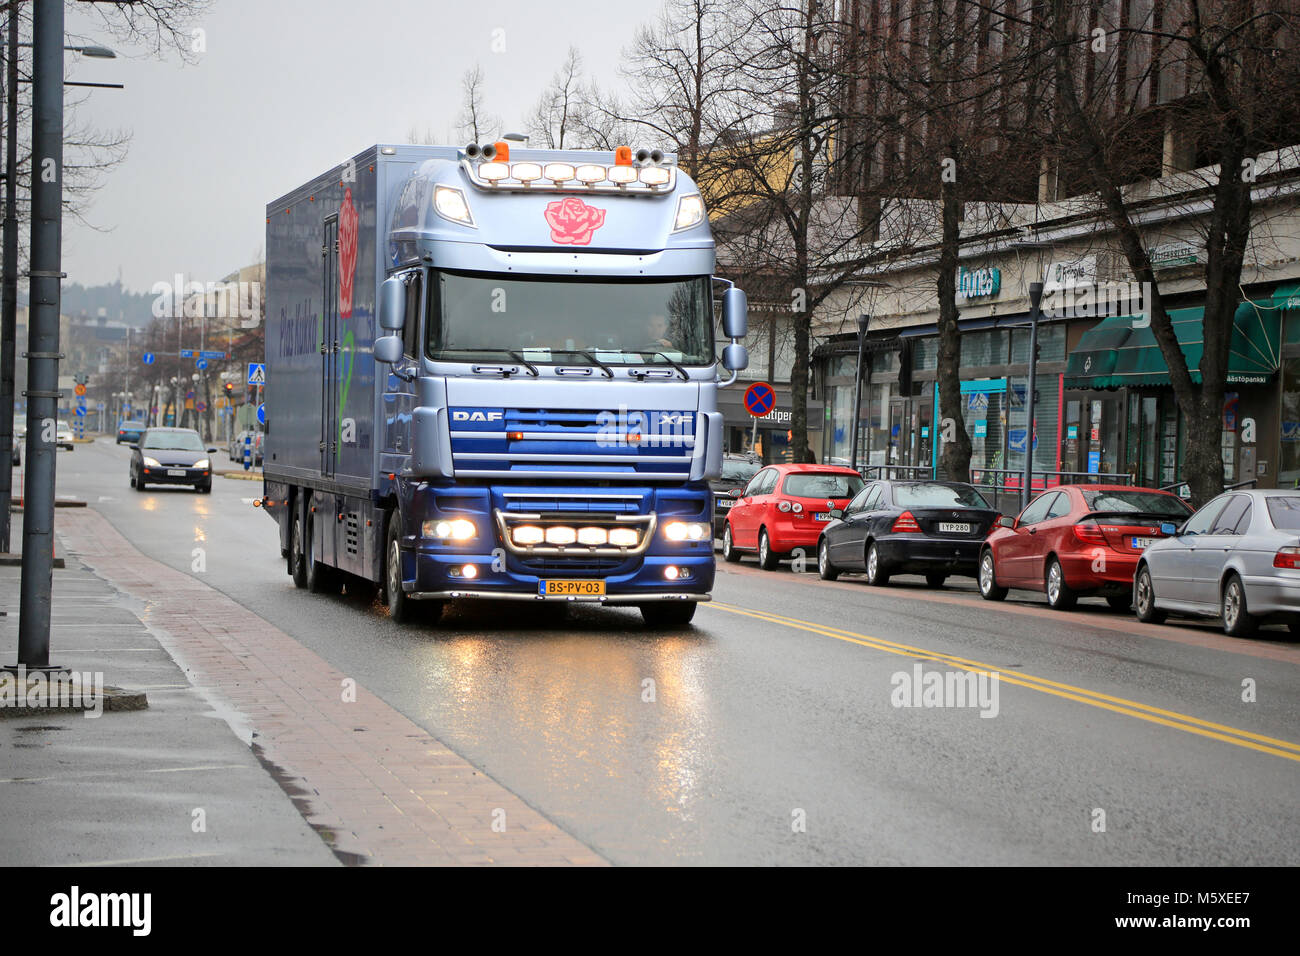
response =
{"points": [[785, 508], [1077, 540]]}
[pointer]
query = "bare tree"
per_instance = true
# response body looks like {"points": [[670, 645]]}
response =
{"points": [[556, 114], [475, 123], [1215, 81]]}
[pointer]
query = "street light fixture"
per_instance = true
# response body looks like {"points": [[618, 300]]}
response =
{"points": [[864, 322]]}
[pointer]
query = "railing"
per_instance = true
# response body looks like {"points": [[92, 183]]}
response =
{"points": [[905, 472], [1183, 489], [1001, 485]]}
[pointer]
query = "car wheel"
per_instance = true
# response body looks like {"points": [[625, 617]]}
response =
{"points": [[988, 579], [668, 613], [297, 557], [204, 489], [1144, 599], [1293, 625], [877, 576], [132, 479], [138, 485], [400, 608], [767, 559], [729, 552], [935, 580], [825, 569], [1119, 602], [1237, 620], [1059, 595]]}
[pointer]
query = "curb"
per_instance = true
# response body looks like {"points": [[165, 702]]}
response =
{"points": [[241, 476], [115, 699]]}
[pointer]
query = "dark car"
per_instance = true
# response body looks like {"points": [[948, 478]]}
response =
{"points": [[933, 528], [171, 456], [130, 432], [736, 472]]}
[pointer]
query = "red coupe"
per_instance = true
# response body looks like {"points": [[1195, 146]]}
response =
{"points": [[784, 508], [1077, 540]]}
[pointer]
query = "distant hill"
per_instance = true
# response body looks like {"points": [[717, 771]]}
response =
{"points": [[112, 301]]}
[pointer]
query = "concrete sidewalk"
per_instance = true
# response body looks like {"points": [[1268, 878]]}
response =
{"points": [[245, 725], [166, 785]]}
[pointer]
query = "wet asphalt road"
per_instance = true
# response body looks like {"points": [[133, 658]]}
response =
{"points": [[771, 737]]}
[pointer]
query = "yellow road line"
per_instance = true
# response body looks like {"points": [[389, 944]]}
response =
{"points": [[1119, 705]]}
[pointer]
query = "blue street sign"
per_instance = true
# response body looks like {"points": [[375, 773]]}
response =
{"points": [[187, 353], [147, 358], [261, 414], [210, 354], [201, 364], [256, 373], [80, 410]]}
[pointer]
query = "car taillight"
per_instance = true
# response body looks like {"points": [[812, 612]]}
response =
{"points": [[787, 506], [1089, 533], [905, 522], [1287, 558]]}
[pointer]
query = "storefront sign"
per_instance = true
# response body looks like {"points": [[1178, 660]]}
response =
{"points": [[1071, 272], [1094, 462], [978, 284], [1171, 255], [982, 429]]}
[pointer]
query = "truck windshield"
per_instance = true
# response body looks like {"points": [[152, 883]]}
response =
{"points": [[477, 317]]}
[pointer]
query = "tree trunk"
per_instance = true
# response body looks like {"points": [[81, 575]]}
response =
{"points": [[955, 461]]}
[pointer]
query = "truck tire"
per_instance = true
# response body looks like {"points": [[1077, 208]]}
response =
{"points": [[297, 560], [668, 613], [400, 608]]}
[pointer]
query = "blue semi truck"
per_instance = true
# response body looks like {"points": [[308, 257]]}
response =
{"points": [[492, 373]]}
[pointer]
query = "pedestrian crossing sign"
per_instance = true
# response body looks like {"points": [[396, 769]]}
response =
{"points": [[256, 373]]}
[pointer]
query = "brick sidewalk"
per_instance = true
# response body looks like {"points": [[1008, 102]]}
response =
{"points": [[377, 787]]}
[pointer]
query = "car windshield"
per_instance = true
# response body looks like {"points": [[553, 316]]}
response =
{"points": [[733, 470], [1141, 502], [571, 320], [172, 441], [822, 486], [933, 494], [1284, 512]]}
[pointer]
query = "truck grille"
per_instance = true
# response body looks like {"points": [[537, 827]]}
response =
{"points": [[561, 443]]}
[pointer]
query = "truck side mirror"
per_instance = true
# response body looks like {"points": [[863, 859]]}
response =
{"points": [[735, 314], [388, 348], [392, 307], [735, 358]]}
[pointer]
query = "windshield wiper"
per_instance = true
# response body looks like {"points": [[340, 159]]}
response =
{"points": [[685, 375], [518, 357]]}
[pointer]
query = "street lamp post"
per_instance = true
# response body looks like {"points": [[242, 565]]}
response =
{"points": [[1035, 300], [864, 321]]}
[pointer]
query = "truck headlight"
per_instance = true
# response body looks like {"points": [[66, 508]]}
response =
{"points": [[684, 531], [527, 534], [454, 529], [450, 203], [623, 537], [690, 212]]}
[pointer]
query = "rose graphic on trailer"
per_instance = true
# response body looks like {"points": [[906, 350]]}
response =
{"points": [[572, 221], [347, 253]]}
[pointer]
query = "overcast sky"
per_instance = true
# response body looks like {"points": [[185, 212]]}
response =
{"points": [[288, 88]]}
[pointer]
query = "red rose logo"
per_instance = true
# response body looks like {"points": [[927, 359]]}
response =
{"points": [[347, 253], [573, 221]]}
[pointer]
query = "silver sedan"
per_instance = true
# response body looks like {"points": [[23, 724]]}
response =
{"points": [[1237, 558]]}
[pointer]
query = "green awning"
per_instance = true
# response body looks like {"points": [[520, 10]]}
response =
{"points": [[1287, 296], [1113, 353]]}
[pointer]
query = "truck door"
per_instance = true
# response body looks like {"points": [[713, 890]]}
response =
{"points": [[329, 345]]}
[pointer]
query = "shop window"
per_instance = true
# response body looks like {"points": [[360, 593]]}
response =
{"points": [[983, 348], [925, 354], [1288, 473], [1051, 343]]}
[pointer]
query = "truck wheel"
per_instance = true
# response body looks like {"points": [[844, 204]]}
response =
{"points": [[400, 608], [668, 613], [297, 559], [321, 578]]}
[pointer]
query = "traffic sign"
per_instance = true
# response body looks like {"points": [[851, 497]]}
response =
{"points": [[210, 354], [147, 358], [190, 393], [201, 406], [80, 389], [201, 364], [187, 353], [256, 373], [80, 410], [100, 406], [261, 414], [760, 399]]}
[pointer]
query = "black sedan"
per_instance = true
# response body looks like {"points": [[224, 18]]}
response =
{"points": [[171, 456], [907, 527], [736, 472]]}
